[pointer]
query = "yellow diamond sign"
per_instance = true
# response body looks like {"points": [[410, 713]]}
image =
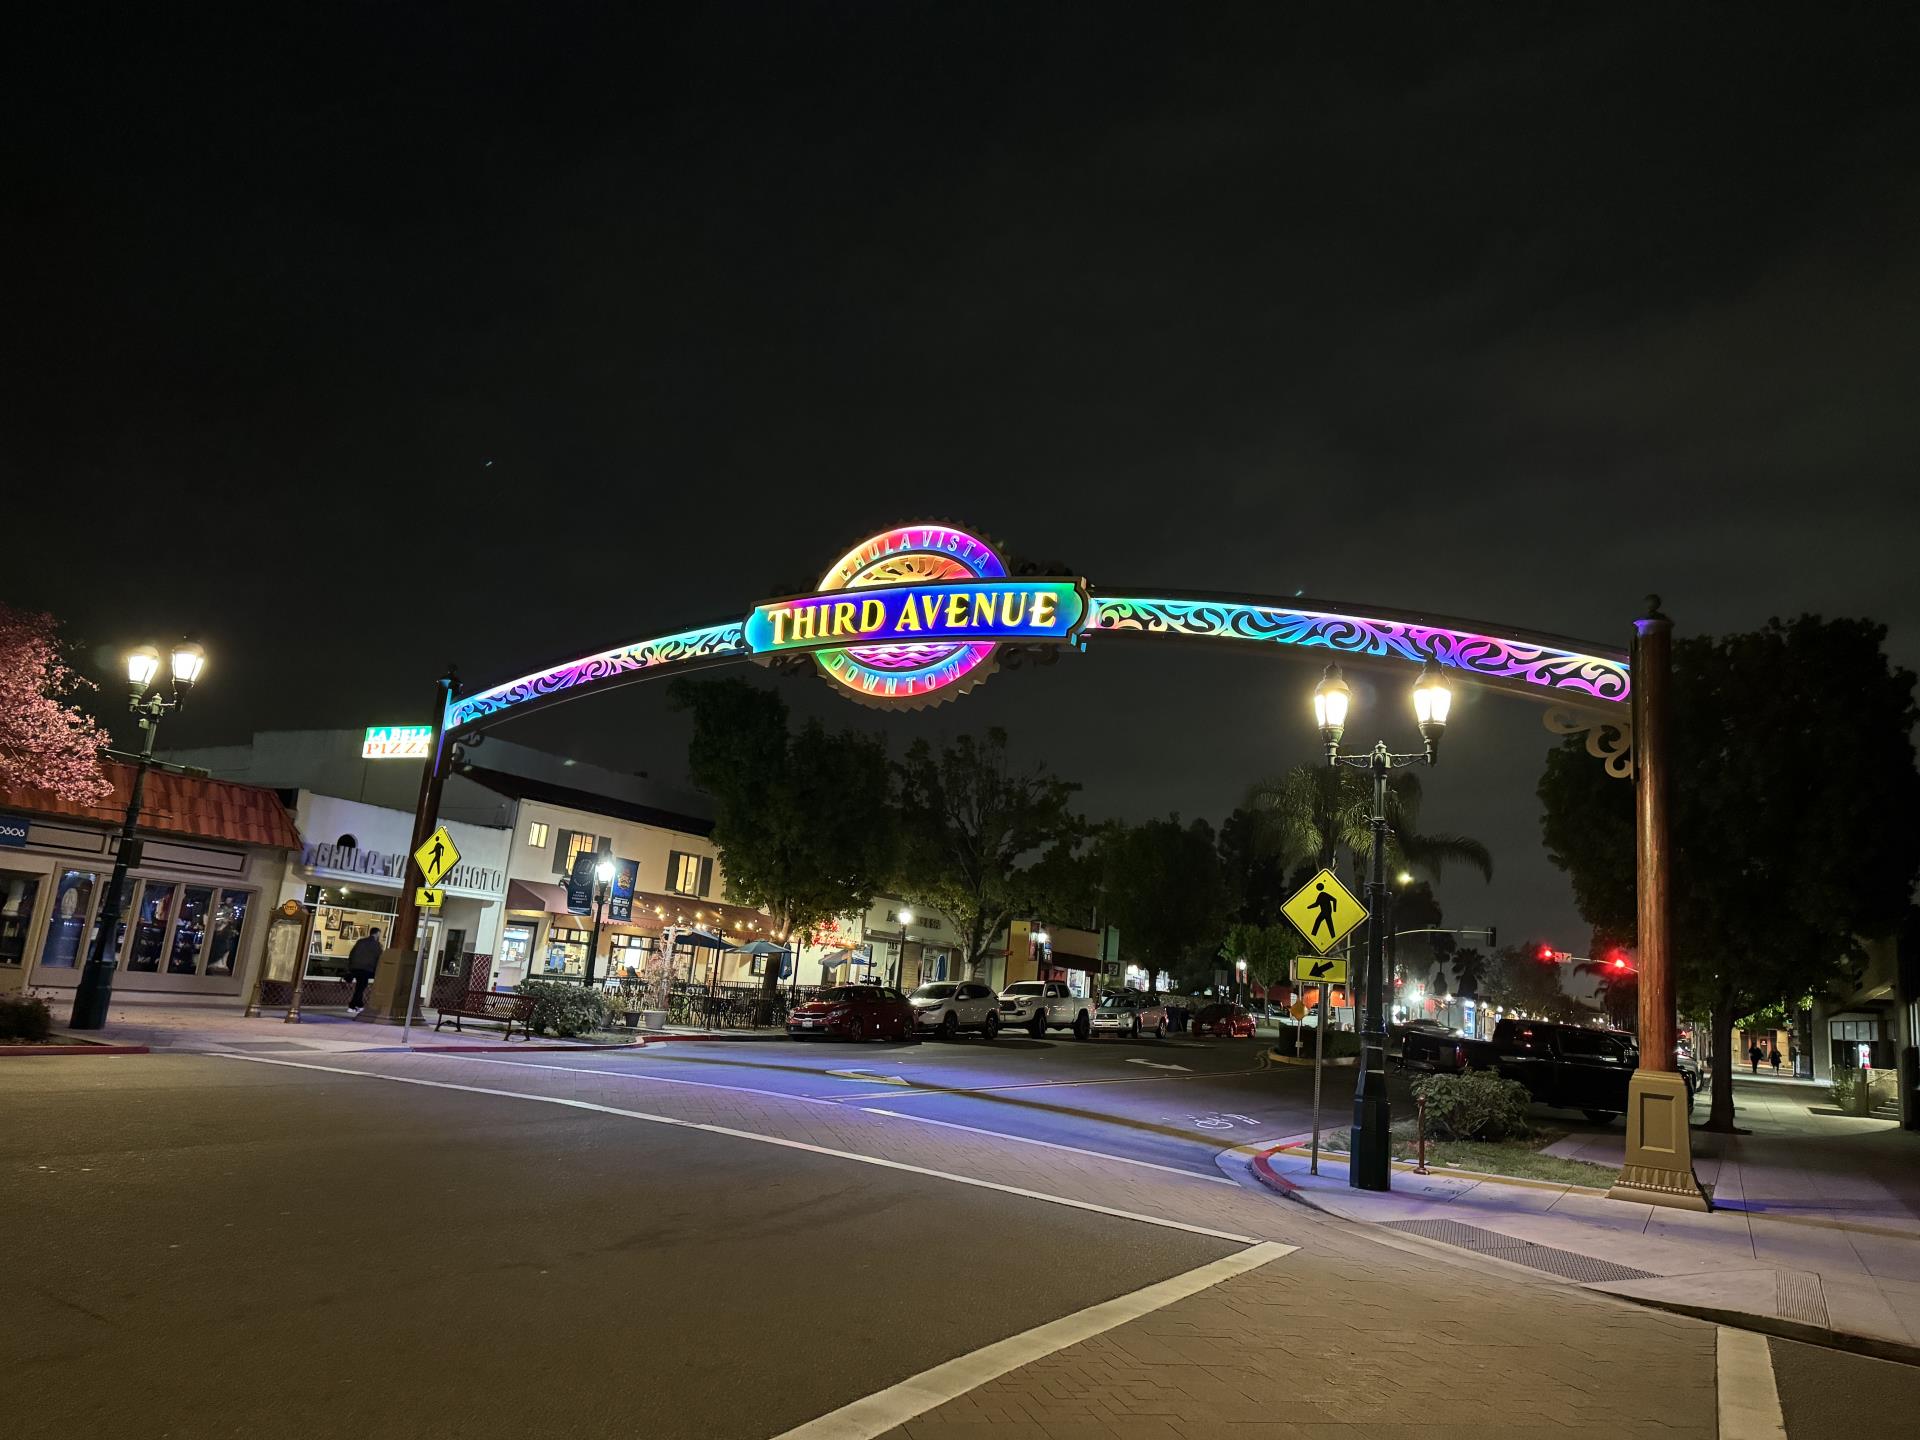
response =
{"points": [[1324, 911], [437, 857]]}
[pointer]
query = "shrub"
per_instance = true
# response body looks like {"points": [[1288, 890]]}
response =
{"points": [[1474, 1105], [1340, 1043], [24, 1017], [565, 1009], [1846, 1088]]}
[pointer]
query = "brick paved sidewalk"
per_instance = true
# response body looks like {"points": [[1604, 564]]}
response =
{"points": [[1314, 1345], [1816, 1231]]}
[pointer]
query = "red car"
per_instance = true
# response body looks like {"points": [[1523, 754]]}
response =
{"points": [[1228, 1020], [854, 1012]]}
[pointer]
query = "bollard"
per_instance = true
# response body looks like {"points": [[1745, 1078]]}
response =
{"points": [[1420, 1134]]}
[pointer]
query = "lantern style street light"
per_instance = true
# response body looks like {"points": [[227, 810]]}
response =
{"points": [[186, 662], [1432, 701], [602, 891]]}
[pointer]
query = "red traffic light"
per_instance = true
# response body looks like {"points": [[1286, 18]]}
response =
{"points": [[1545, 952]]}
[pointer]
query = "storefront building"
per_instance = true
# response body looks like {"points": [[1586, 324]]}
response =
{"points": [[350, 868], [194, 911], [670, 890]]}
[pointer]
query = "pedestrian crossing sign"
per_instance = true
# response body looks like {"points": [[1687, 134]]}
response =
{"points": [[1324, 911], [438, 856]]}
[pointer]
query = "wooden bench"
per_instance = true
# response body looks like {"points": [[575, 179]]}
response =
{"points": [[509, 1010]]}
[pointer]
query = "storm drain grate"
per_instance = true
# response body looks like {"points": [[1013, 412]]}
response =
{"points": [[1583, 1268]]}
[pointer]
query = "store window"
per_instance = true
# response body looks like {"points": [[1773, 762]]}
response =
{"points": [[566, 952], [17, 894], [152, 912], [629, 953], [688, 874], [537, 834], [229, 922], [72, 900], [338, 928], [191, 908]]}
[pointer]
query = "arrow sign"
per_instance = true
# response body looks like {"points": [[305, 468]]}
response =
{"points": [[870, 1078], [1156, 1065], [1321, 969], [1316, 969]]}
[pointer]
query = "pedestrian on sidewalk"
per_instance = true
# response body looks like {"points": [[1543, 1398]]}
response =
{"points": [[1773, 1059], [362, 961], [1753, 1050]]}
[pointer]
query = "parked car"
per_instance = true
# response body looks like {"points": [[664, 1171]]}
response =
{"points": [[1129, 1012], [950, 1006], [854, 1012], [1564, 1067], [1397, 1037], [1228, 1020], [1038, 1006]]}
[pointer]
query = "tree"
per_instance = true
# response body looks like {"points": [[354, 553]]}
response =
{"points": [[1167, 896], [1269, 951], [977, 836], [1469, 972], [1518, 978], [1313, 811], [1253, 872], [801, 818], [45, 744], [1792, 819]]}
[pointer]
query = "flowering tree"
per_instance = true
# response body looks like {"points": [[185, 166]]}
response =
{"points": [[44, 743]]}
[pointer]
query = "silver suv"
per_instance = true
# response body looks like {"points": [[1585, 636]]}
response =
{"points": [[950, 1006]]}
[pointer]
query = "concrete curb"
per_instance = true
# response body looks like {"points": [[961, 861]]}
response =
{"points": [[531, 1046], [86, 1047]]}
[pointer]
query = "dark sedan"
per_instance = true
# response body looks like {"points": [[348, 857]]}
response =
{"points": [[854, 1012]]}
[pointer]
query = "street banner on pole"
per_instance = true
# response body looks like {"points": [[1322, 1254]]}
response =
{"points": [[620, 904]]}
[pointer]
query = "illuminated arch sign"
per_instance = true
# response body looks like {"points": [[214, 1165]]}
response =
{"points": [[917, 614], [914, 615]]}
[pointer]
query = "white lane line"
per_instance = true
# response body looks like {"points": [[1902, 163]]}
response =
{"points": [[922, 1088], [1749, 1399], [834, 1103], [663, 1080], [897, 1404], [1050, 1145], [781, 1141]]}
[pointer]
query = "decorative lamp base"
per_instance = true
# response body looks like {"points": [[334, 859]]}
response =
{"points": [[1659, 1164]]}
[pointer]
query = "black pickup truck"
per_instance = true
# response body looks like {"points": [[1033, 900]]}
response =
{"points": [[1568, 1067]]}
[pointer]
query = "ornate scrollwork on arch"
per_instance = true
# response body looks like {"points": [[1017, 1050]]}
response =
{"points": [[1609, 737]]}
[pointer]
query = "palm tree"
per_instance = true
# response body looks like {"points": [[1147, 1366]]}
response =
{"points": [[1619, 989], [1469, 971], [1313, 811]]}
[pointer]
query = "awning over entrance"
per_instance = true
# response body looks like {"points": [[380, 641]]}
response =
{"points": [[532, 895]]}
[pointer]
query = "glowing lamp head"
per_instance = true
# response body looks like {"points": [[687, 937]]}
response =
{"points": [[905, 915], [143, 663], [188, 660], [1041, 937], [1331, 697], [603, 872], [1432, 701]]}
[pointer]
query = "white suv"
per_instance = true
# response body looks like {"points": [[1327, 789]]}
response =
{"points": [[1037, 1006], [950, 1006], [1129, 1012]]}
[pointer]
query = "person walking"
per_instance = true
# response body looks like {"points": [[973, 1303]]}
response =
{"points": [[1754, 1053], [362, 961], [1773, 1059]]}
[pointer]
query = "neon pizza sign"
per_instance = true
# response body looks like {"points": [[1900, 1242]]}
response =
{"points": [[915, 614]]}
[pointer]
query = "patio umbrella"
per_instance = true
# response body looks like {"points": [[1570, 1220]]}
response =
{"points": [[758, 947]]}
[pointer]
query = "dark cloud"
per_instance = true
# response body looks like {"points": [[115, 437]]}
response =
{"points": [[358, 338]]}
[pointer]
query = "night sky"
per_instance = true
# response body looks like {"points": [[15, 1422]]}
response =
{"points": [[359, 338]]}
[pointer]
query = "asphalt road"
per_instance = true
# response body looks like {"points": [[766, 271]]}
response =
{"points": [[722, 1240]]}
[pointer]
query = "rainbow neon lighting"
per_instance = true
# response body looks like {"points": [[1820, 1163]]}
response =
{"points": [[715, 642], [932, 603], [1508, 660]]}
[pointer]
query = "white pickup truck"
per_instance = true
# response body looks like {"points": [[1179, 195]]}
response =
{"points": [[1038, 1006]]}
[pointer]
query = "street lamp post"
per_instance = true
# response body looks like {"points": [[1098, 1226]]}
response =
{"points": [[903, 917], [95, 990], [1432, 699], [1240, 970], [602, 889]]}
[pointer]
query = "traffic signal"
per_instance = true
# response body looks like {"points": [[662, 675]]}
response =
{"points": [[1545, 954]]}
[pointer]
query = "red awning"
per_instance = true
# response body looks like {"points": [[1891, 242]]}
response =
{"points": [[532, 895], [174, 805]]}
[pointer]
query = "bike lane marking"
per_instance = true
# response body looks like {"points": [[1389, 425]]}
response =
{"points": [[777, 1140], [892, 1407]]}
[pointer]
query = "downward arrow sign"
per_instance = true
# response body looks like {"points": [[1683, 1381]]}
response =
{"points": [[1156, 1065], [1324, 967]]}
